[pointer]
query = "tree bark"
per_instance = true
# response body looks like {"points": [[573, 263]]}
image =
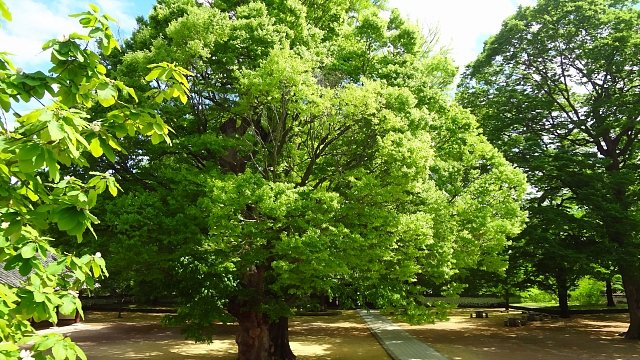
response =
{"points": [[259, 337], [506, 294], [618, 230], [563, 295], [610, 301], [253, 337], [631, 282], [279, 340]]}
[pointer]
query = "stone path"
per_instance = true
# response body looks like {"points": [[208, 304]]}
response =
{"points": [[397, 342]]}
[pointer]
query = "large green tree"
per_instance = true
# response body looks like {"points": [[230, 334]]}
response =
{"points": [[558, 90], [317, 155]]}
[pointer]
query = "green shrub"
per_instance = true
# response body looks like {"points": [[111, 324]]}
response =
{"points": [[535, 295], [588, 292]]}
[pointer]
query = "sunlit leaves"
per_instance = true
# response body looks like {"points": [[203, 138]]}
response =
{"points": [[4, 11], [35, 194], [556, 89], [323, 150], [174, 80], [106, 94]]}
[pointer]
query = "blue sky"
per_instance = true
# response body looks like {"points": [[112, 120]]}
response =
{"points": [[463, 24]]}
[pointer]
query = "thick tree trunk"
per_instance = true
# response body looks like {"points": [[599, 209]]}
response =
{"points": [[563, 295], [631, 282], [253, 337], [610, 301], [259, 338], [279, 338], [618, 231]]}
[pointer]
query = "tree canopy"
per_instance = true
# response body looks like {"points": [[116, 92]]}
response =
{"points": [[557, 90], [318, 154]]}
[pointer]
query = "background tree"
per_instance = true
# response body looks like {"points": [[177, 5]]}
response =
{"points": [[317, 155], [556, 242], [516, 277], [557, 90], [36, 151]]}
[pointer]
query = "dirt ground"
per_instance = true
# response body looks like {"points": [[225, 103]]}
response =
{"points": [[140, 336], [592, 337]]}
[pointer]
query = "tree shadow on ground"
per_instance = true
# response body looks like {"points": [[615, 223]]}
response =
{"points": [[140, 336], [580, 337]]}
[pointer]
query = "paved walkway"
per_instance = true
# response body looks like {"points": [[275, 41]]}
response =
{"points": [[397, 342]]}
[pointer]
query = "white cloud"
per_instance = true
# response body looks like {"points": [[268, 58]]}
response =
{"points": [[33, 24], [36, 21], [463, 24]]}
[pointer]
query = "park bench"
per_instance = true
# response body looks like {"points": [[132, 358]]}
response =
{"points": [[479, 314]]}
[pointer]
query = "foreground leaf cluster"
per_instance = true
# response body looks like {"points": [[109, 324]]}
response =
{"points": [[37, 149]]}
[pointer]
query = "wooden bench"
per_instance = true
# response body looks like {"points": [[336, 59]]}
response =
{"points": [[479, 314]]}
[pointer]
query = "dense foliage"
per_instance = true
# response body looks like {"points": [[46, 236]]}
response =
{"points": [[558, 91], [37, 149], [318, 154]]}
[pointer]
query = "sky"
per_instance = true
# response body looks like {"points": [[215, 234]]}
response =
{"points": [[463, 25]]}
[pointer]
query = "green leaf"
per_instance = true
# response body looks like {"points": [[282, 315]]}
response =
{"points": [[47, 342], [56, 267], [159, 128], [153, 74], [8, 295], [113, 189], [56, 131], [108, 151], [95, 147], [4, 11], [14, 228], [107, 95], [78, 229], [101, 69], [92, 198], [5, 103], [8, 347], [29, 250], [52, 165], [80, 353], [58, 351], [94, 7], [68, 306], [29, 151], [132, 93], [25, 268], [95, 268], [156, 138], [68, 218]]}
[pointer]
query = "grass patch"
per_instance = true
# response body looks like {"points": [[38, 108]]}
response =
{"points": [[554, 306]]}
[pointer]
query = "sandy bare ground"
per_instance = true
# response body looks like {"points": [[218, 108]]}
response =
{"points": [[592, 337], [140, 336]]}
